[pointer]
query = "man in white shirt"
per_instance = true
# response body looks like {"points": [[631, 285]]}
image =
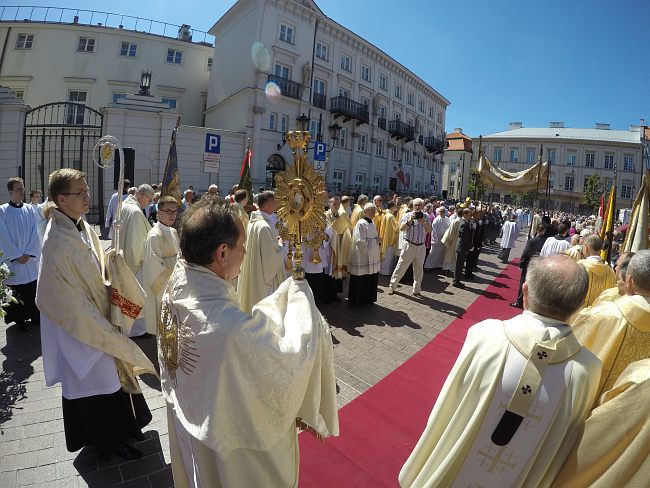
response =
{"points": [[558, 243]]}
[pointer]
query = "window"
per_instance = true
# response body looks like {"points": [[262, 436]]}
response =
{"points": [[407, 156], [590, 159], [365, 101], [431, 111], [358, 180], [208, 65], [418, 162], [628, 163], [319, 86], [174, 56], [322, 51], [398, 91], [362, 143], [337, 178], [86, 45], [498, 154], [584, 182], [440, 117], [383, 82], [284, 123], [398, 116], [273, 121], [514, 155], [118, 96], [282, 71], [551, 156], [393, 153], [75, 114], [377, 184], [344, 93], [571, 158], [169, 101], [607, 183], [287, 33], [568, 183], [314, 130], [128, 49], [19, 94], [365, 73], [530, 155], [410, 99], [379, 148], [24, 41], [609, 161], [341, 141], [452, 187], [382, 111], [421, 106], [626, 190], [346, 62]]}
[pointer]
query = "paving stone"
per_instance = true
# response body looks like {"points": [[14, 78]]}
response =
{"points": [[8, 479], [162, 478], [103, 477], [38, 475], [21, 460], [146, 465]]}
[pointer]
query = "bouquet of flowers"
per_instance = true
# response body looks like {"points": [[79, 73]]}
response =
{"points": [[6, 295]]}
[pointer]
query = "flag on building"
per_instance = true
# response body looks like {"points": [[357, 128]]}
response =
{"points": [[171, 183], [401, 176], [245, 173], [636, 236]]}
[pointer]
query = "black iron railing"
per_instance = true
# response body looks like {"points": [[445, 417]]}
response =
{"points": [[320, 101], [401, 130], [381, 123], [350, 109], [287, 87], [433, 144]]}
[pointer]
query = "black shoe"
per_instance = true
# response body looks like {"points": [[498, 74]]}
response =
{"points": [[139, 436], [126, 452], [516, 305], [146, 335], [458, 284]]}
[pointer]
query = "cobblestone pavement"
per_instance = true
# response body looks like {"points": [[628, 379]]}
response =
{"points": [[369, 343]]}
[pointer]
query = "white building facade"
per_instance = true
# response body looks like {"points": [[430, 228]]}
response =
{"points": [[575, 154], [57, 56], [271, 52]]}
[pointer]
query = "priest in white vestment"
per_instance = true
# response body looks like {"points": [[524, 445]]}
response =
{"points": [[133, 235], [94, 362], [160, 255], [438, 228], [237, 386], [263, 267], [517, 396], [510, 232], [449, 240], [20, 248], [111, 210]]}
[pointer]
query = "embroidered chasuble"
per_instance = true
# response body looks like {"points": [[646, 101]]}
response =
{"points": [[378, 219], [80, 303], [340, 243], [389, 232], [614, 450], [618, 332], [262, 270], [133, 234], [241, 214], [449, 239], [357, 213], [510, 409], [237, 385], [608, 295], [160, 255], [601, 277]]}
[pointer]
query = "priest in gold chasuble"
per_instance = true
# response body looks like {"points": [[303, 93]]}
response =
{"points": [[516, 399]]}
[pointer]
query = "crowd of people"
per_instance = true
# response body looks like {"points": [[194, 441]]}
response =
{"points": [[245, 357]]}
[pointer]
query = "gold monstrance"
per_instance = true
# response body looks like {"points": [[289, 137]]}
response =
{"points": [[302, 195]]}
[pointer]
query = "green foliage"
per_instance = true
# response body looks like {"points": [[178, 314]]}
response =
{"points": [[476, 185], [593, 191]]}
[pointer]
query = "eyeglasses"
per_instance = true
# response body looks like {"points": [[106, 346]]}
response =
{"points": [[169, 212], [79, 193]]}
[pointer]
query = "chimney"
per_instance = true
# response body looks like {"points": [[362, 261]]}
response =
{"points": [[516, 125], [602, 126], [459, 130], [556, 125]]}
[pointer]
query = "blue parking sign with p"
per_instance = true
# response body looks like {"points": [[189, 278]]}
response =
{"points": [[213, 143], [320, 151]]}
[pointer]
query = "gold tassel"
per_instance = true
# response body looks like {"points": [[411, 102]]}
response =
{"points": [[300, 423]]}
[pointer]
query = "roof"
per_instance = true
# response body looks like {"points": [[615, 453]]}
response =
{"points": [[602, 135], [457, 141]]}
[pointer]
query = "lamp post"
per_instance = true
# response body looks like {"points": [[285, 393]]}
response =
{"points": [[145, 83]]}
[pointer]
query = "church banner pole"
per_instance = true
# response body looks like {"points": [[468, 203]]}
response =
{"points": [[107, 146]]}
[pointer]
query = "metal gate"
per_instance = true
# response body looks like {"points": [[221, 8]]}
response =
{"points": [[63, 135]]}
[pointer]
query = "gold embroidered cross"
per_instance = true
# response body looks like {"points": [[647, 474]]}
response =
{"points": [[502, 460]]}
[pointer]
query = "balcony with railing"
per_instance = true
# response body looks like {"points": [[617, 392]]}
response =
{"points": [[349, 109], [381, 123], [401, 130], [433, 144], [320, 101], [287, 87]]}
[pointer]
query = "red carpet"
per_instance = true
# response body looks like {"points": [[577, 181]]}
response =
{"points": [[380, 428]]}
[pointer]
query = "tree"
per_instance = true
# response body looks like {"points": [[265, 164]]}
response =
{"points": [[476, 185], [526, 198], [593, 191]]}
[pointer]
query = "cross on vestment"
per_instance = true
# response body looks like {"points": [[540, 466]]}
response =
{"points": [[501, 461]]}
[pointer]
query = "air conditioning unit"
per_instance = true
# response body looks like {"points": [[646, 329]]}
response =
{"points": [[185, 33]]}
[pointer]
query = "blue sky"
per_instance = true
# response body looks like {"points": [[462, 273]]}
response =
{"points": [[533, 61]]}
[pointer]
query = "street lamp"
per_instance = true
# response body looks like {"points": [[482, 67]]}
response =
{"points": [[145, 83], [303, 123]]}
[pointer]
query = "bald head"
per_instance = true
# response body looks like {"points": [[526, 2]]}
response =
{"points": [[555, 286]]}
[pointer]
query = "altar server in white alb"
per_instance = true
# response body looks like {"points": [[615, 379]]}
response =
{"points": [[517, 397], [21, 250], [438, 228], [133, 235], [95, 364], [160, 255], [238, 385], [558, 243], [510, 232], [111, 210]]}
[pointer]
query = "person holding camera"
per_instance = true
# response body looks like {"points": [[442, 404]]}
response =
{"points": [[415, 225]]}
